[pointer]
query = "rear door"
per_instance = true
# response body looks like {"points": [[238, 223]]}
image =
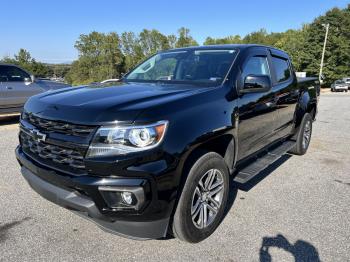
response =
{"points": [[257, 111], [16, 86], [286, 91]]}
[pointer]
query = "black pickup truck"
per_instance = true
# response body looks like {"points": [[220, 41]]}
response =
{"points": [[154, 155]]}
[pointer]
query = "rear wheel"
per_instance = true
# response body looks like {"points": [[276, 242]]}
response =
{"points": [[303, 136], [202, 203]]}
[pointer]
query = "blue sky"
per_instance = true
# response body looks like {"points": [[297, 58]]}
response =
{"points": [[48, 29]]}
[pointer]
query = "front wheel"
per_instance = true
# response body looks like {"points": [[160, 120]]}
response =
{"points": [[202, 203], [303, 136]]}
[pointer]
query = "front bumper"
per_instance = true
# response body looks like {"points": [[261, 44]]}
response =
{"points": [[342, 88], [79, 195]]}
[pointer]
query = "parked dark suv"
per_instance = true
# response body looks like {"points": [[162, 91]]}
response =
{"points": [[153, 154]]}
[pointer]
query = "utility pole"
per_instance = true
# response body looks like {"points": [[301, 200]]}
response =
{"points": [[323, 51]]}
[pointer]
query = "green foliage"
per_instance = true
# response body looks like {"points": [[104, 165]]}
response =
{"points": [[24, 60], [103, 56], [100, 58], [60, 70], [337, 55], [185, 39], [293, 42], [234, 39], [152, 41], [305, 45], [131, 48]]}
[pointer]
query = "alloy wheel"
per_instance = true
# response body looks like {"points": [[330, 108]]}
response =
{"points": [[207, 198], [307, 134]]}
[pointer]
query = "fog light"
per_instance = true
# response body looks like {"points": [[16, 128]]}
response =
{"points": [[127, 197], [123, 197]]}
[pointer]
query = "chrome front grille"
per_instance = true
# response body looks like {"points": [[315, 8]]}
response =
{"points": [[58, 126], [63, 156]]}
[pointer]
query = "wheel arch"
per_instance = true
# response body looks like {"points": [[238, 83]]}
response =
{"points": [[306, 104], [225, 145]]}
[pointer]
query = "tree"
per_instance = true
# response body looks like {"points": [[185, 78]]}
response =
{"points": [[23, 57], [60, 70], [132, 50], [262, 37], [100, 58], [103, 56], [148, 42], [337, 55], [24, 60], [233, 39], [293, 42], [152, 41], [185, 39], [172, 39]]}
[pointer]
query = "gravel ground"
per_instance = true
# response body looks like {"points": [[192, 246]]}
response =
{"points": [[297, 210]]}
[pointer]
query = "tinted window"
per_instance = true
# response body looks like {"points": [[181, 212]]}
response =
{"points": [[339, 82], [256, 65], [12, 74], [207, 66], [281, 67]]}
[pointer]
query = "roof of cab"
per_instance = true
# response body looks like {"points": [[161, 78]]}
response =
{"points": [[278, 52]]}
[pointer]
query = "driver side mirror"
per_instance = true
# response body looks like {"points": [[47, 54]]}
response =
{"points": [[29, 80], [256, 84]]}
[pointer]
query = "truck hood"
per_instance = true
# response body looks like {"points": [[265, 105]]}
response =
{"points": [[50, 85], [98, 104]]}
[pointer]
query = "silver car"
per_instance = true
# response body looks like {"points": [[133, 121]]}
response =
{"points": [[17, 85], [339, 85]]}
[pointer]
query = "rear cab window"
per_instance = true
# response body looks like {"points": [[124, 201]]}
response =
{"points": [[282, 69]]}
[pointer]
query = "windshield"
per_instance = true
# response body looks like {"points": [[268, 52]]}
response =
{"points": [[339, 82], [199, 66]]}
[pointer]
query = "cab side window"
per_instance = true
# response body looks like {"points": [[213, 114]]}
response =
{"points": [[256, 65], [282, 69], [12, 74]]}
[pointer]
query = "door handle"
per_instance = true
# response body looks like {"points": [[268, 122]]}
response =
{"points": [[9, 87]]}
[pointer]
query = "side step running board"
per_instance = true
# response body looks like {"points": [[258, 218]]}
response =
{"points": [[250, 171]]}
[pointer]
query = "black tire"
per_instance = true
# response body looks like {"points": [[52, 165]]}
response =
{"points": [[302, 142], [183, 226]]}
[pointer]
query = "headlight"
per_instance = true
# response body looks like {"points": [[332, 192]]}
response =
{"points": [[120, 140]]}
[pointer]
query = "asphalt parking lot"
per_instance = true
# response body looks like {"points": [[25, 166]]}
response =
{"points": [[297, 210]]}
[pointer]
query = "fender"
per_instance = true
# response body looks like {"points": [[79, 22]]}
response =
{"points": [[306, 103]]}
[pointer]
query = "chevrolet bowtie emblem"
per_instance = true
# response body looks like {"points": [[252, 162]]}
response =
{"points": [[40, 137]]}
